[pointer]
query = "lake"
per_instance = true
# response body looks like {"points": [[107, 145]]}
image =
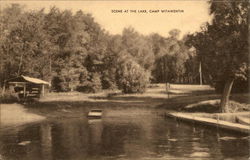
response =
{"points": [[128, 134]]}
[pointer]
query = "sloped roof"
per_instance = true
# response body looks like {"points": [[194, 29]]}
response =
{"points": [[28, 79]]}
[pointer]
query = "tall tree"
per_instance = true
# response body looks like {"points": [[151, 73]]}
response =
{"points": [[223, 44], [170, 57], [24, 44], [8, 21], [137, 46]]}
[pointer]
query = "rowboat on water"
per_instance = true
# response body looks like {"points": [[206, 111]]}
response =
{"points": [[95, 113]]}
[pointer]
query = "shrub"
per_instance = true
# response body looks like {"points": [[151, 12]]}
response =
{"points": [[58, 84], [108, 79], [132, 77], [8, 97], [96, 82], [86, 88], [92, 84]]}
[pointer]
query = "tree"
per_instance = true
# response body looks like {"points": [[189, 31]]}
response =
{"points": [[133, 59], [110, 61], [170, 57], [9, 58], [223, 44], [80, 44], [138, 47], [133, 78], [24, 46]]}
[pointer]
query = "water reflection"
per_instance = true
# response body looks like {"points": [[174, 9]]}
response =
{"points": [[144, 136], [46, 143]]}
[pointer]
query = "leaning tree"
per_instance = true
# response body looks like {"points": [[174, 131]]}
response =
{"points": [[222, 45]]}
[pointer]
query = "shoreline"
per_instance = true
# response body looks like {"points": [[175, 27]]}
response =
{"points": [[209, 120], [75, 104], [16, 115]]}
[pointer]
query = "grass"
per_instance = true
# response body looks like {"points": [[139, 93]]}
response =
{"points": [[75, 104], [155, 97], [115, 103]]}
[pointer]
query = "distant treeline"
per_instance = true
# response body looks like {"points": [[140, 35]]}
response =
{"points": [[73, 52]]}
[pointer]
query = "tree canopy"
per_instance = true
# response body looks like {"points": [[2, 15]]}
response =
{"points": [[73, 52], [222, 46]]}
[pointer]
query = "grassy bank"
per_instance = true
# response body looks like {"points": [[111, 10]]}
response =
{"points": [[156, 96], [75, 104]]}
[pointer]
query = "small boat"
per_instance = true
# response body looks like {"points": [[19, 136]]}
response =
{"points": [[24, 143], [243, 120], [95, 113]]}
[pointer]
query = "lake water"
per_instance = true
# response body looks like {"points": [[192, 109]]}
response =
{"points": [[124, 135]]}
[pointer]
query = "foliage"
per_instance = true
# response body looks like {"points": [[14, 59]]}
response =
{"points": [[73, 52], [58, 84], [91, 84], [240, 86], [171, 55], [137, 46], [23, 45], [222, 46], [8, 97], [134, 77]]}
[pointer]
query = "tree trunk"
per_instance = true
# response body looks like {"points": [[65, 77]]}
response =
{"points": [[162, 70], [50, 66], [225, 95], [165, 74], [20, 65], [3, 90]]}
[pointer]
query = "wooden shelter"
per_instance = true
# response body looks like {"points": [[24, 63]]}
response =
{"points": [[28, 87]]}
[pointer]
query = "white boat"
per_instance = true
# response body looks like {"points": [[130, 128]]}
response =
{"points": [[95, 113]]}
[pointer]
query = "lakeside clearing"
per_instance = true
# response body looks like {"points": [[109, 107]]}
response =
{"points": [[75, 104], [178, 97]]}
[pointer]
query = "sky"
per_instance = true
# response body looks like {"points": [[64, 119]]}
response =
{"points": [[195, 14]]}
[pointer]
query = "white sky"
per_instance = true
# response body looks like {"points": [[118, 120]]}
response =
{"points": [[195, 14]]}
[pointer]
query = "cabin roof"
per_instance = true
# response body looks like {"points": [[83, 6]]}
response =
{"points": [[28, 79]]}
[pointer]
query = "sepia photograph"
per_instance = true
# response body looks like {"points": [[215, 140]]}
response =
{"points": [[124, 80]]}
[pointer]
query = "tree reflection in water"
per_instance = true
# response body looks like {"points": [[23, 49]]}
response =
{"points": [[142, 136]]}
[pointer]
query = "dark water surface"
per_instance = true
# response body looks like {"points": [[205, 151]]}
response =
{"points": [[141, 134]]}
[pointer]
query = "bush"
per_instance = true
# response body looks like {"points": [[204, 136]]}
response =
{"points": [[132, 77], [90, 85], [108, 79], [58, 84], [55, 84], [96, 84], [8, 97], [86, 88]]}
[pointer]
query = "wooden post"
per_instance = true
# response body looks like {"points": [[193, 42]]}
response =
{"points": [[200, 74], [24, 90], [165, 74], [43, 89], [218, 136], [217, 117], [3, 91], [167, 88]]}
